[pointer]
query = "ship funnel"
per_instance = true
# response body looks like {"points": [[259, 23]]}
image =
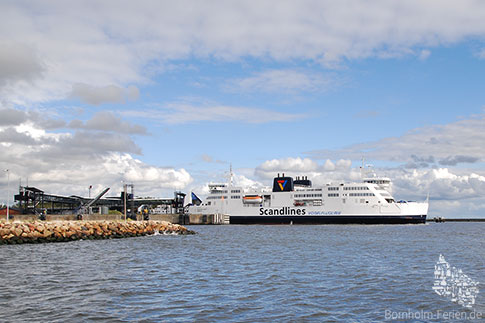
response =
{"points": [[283, 184]]}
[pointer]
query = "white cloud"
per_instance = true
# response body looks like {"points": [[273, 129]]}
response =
{"points": [[446, 145], [210, 159], [180, 113], [108, 121], [12, 117], [269, 168], [146, 176], [66, 163], [247, 183], [97, 95], [443, 184], [481, 54], [424, 54], [329, 165], [88, 42], [366, 114], [108, 170], [297, 166], [16, 117], [67, 175], [283, 81], [52, 49], [18, 62], [343, 164]]}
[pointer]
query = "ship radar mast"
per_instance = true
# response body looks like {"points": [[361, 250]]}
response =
{"points": [[231, 175], [362, 169], [367, 171], [369, 175]]}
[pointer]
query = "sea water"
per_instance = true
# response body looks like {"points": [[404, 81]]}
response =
{"points": [[358, 273]]}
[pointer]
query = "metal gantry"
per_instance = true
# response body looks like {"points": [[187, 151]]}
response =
{"points": [[35, 201]]}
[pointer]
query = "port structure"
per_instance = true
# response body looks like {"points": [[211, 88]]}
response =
{"points": [[32, 200]]}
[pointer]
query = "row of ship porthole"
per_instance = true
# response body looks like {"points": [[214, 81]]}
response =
{"points": [[351, 194], [297, 195]]}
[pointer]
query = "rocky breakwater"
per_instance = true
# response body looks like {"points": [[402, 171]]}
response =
{"points": [[59, 231]]}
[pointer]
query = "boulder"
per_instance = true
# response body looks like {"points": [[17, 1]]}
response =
{"points": [[37, 231]]}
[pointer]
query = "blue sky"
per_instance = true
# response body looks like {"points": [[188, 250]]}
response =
{"points": [[364, 101], [166, 95]]}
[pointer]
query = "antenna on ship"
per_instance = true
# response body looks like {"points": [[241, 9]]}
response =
{"points": [[362, 168], [230, 174]]}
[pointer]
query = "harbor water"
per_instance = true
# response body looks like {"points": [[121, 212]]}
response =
{"points": [[237, 273]]}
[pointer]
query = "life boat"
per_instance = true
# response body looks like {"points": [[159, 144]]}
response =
{"points": [[252, 199]]}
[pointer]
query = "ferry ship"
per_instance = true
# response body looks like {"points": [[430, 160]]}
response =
{"points": [[297, 201]]}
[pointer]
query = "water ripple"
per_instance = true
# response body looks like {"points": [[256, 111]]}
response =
{"points": [[239, 274]]}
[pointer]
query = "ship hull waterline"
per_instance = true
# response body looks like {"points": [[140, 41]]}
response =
{"points": [[339, 219]]}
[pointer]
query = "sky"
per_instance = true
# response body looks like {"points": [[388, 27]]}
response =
{"points": [[167, 95]]}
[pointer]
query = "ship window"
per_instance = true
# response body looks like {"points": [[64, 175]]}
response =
{"points": [[354, 188], [332, 194], [361, 194], [333, 188], [307, 195]]}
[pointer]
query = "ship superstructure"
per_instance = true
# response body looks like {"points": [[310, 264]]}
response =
{"points": [[297, 201]]}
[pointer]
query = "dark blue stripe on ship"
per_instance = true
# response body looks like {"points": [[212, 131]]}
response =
{"points": [[339, 219]]}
